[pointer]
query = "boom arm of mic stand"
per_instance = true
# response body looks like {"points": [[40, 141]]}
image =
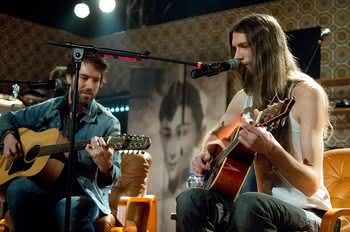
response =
{"points": [[114, 52]]}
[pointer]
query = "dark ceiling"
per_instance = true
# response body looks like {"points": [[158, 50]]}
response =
{"points": [[128, 14]]}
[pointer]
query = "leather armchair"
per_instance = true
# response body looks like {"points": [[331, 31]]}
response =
{"points": [[132, 209], [336, 168]]}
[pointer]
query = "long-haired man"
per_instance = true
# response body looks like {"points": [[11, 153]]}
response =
{"points": [[288, 167]]}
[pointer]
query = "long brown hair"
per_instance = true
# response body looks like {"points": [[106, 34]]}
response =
{"points": [[272, 65]]}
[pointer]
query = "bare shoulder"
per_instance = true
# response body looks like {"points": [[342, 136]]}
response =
{"points": [[308, 90], [310, 99]]}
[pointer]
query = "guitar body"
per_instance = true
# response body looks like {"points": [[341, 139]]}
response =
{"points": [[231, 164], [31, 164], [228, 174]]}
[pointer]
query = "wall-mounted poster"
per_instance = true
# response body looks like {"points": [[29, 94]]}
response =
{"points": [[176, 111]]}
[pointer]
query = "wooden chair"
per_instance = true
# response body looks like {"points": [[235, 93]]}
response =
{"points": [[132, 209]]}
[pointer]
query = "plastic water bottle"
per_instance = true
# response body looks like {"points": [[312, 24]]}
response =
{"points": [[190, 180], [194, 181]]}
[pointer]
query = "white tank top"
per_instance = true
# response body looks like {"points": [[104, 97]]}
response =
{"points": [[284, 190]]}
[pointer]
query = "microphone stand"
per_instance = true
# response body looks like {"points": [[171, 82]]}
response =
{"points": [[116, 53], [316, 46], [78, 53]]}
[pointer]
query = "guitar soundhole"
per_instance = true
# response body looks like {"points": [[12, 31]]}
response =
{"points": [[32, 153]]}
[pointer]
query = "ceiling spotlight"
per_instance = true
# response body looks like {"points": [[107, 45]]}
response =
{"points": [[107, 6], [81, 10]]}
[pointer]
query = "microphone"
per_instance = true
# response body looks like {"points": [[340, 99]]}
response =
{"points": [[214, 68], [324, 32], [50, 84]]}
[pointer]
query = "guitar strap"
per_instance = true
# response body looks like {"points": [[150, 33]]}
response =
{"points": [[281, 132], [290, 86]]}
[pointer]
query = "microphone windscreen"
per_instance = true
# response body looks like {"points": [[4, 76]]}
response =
{"points": [[234, 63]]}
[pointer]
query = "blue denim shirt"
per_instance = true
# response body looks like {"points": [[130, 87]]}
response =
{"points": [[94, 121]]}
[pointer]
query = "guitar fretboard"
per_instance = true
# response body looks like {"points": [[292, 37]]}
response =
{"points": [[61, 148]]}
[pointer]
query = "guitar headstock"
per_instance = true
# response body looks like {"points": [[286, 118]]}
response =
{"points": [[130, 142], [274, 113]]}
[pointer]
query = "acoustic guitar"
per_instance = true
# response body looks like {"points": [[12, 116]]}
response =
{"points": [[40, 147], [231, 164]]}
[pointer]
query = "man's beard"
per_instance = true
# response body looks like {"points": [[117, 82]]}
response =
{"points": [[82, 102]]}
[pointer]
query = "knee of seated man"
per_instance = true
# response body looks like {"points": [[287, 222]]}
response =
{"points": [[83, 210], [19, 190], [249, 202], [78, 203], [192, 197], [185, 197]]}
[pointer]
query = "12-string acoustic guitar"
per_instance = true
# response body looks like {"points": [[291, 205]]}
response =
{"points": [[230, 165], [40, 147]]}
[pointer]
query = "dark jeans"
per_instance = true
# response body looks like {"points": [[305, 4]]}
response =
{"points": [[199, 210], [34, 207]]}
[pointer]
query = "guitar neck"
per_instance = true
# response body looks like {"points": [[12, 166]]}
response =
{"points": [[61, 148], [120, 142]]}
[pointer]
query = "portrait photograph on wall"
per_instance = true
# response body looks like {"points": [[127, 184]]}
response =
{"points": [[176, 111]]}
